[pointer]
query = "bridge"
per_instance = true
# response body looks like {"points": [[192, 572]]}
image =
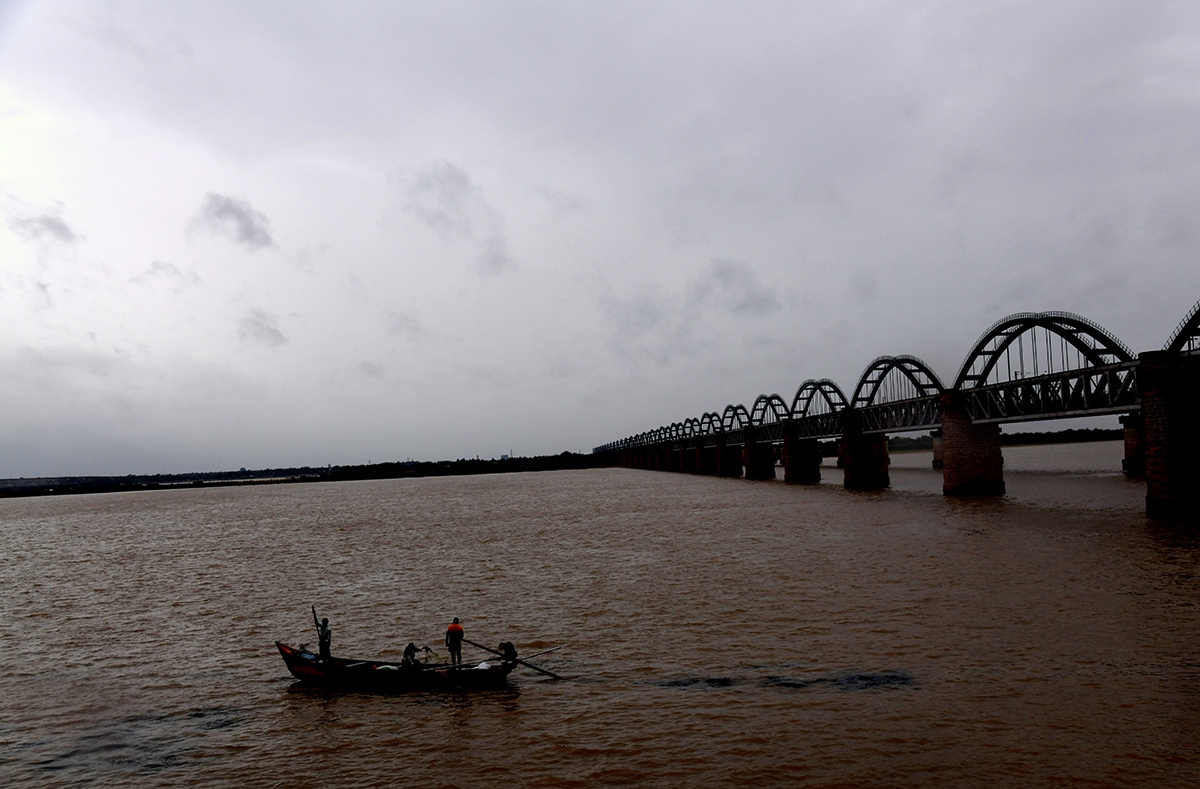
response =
{"points": [[1025, 367]]}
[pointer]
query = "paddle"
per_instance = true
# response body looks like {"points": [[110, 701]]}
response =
{"points": [[522, 662], [544, 651]]}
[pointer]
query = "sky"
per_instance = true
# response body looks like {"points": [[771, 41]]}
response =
{"points": [[281, 234]]}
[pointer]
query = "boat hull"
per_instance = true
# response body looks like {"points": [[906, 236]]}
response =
{"points": [[387, 677]]}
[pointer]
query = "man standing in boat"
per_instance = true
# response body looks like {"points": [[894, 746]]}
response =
{"points": [[454, 639], [325, 639]]}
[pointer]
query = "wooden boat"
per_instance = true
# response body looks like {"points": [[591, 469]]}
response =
{"points": [[385, 676]]}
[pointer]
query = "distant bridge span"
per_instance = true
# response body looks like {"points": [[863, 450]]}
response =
{"points": [[1025, 367]]}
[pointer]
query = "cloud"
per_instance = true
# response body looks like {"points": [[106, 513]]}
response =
{"points": [[402, 324], [634, 317], [165, 272], [237, 219], [44, 228], [370, 370], [443, 197], [735, 287], [258, 326]]}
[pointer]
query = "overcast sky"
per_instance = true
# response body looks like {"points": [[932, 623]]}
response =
{"points": [[273, 234]]}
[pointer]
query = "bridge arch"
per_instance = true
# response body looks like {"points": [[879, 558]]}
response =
{"points": [[691, 427], [710, 423], [1186, 339], [892, 378], [767, 409], [734, 418], [1015, 341], [817, 397]]}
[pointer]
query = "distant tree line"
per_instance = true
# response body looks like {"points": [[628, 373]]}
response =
{"points": [[50, 486]]}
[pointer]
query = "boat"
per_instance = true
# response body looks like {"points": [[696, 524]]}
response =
{"points": [[388, 677]]}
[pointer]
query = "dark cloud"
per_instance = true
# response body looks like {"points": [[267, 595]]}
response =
{"points": [[43, 228], [735, 287], [258, 326], [229, 216], [442, 196]]}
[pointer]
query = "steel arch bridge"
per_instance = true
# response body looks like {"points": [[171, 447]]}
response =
{"points": [[1027, 366]]}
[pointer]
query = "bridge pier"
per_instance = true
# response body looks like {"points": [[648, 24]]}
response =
{"points": [[865, 456], [1134, 463], [972, 464], [729, 460], [708, 460], [1170, 391], [689, 458], [801, 460], [759, 457]]}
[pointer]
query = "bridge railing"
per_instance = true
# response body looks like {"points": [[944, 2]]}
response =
{"points": [[917, 413], [1088, 392]]}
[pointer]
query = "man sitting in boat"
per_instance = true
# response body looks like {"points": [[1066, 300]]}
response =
{"points": [[410, 657], [508, 652]]}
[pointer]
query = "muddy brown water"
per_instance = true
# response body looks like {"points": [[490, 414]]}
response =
{"points": [[717, 632]]}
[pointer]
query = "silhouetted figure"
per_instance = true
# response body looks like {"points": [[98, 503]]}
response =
{"points": [[410, 656], [508, 651], [325, 639], [454, 638]]}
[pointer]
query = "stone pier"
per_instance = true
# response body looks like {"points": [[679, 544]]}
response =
{"points": [[729, 460], [759, 457], [1134, 463], [865, 456], [801, 460], [1170, 391], [971, 461], [689, 458]]}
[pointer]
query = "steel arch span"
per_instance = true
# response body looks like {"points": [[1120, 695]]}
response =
{"points": [[913, 379], [735, 418], [816, 397], [1186, 339], [1093, 345], [769, 409]]}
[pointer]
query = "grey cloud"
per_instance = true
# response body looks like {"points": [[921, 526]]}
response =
{"points": [[634, 317], [229, 216], [404, 325], [43, 228], [370, 370], [444, 198], [258, 326], [735, 287]]}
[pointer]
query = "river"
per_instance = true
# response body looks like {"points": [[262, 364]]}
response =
{"points": [[715, 632]]}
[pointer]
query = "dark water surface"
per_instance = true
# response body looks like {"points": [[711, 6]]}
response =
{"points": [[722, 632]]}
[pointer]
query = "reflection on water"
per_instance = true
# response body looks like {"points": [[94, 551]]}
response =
{"points": [[718, 632]]}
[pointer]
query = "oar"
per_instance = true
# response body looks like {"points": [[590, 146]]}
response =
{"points": [[544, 651], [522, 662]]}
